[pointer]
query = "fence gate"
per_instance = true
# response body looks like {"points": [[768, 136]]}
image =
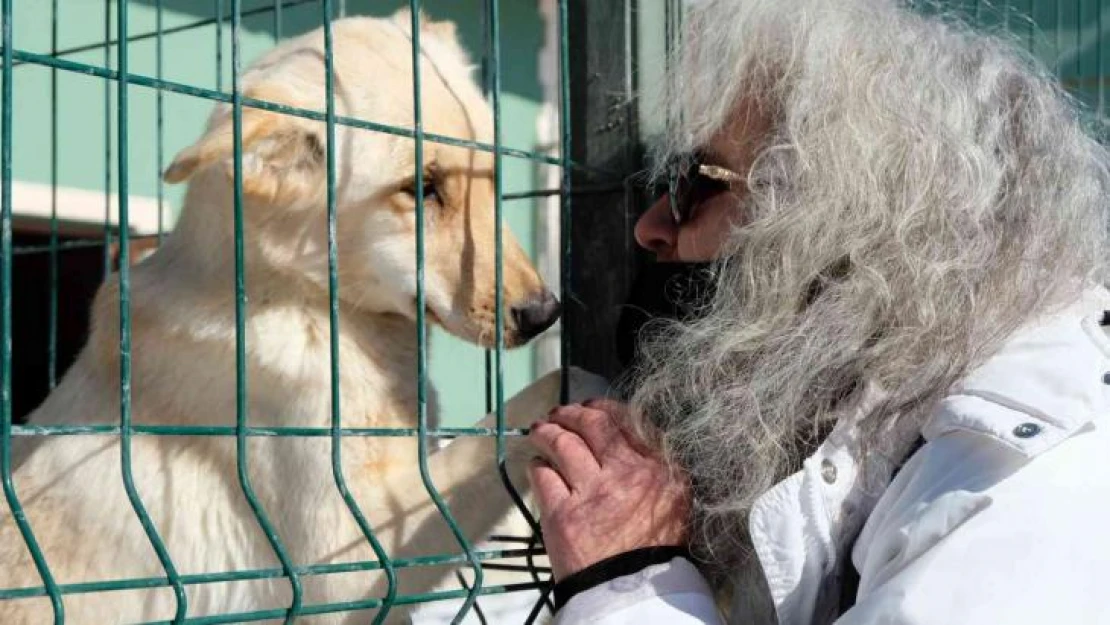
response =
{"points": [[92, 105]]}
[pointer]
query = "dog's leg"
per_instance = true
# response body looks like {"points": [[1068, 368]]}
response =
{"points": [[466, 474]]}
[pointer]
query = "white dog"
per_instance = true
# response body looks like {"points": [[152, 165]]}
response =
{"points": [[183, 362]]}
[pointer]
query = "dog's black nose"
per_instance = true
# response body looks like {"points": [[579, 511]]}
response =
{"points": [[536, 315]]}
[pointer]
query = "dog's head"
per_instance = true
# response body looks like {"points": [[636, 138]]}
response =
{"points": [[284, 180]]}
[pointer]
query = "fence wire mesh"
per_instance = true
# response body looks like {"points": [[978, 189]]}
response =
{"points": [[1066, 34], [118, 79]]}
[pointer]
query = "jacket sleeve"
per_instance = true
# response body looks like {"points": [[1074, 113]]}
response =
{"points": [[670, 593], [975, 532]]}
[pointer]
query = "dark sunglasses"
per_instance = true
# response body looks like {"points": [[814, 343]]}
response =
{"points": [[690, 182]]}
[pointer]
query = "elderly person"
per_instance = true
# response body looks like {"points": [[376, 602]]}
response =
{"points": [[895, 407]]}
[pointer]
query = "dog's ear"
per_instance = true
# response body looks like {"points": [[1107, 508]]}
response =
{"points": [[282, 155], [216, 144], [444, 31]]}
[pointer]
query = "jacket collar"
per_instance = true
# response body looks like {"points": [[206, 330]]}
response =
{"points": [[1043, 385]]}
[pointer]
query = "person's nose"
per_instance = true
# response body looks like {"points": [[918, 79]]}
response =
{"points": [[656, 230]]}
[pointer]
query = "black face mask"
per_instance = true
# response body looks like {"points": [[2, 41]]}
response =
{"points": [[675, 291]]}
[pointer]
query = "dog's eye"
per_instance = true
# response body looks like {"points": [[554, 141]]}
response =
{"points": [[430, 193]]}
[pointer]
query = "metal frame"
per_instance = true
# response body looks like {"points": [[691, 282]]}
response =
{"points": [[242, 429], [604, 137]]}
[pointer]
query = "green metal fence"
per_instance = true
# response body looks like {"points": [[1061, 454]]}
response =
{"points": [[1066, 34], [118, 81]]}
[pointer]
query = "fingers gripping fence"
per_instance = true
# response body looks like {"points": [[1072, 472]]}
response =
{"points": [[122, 78]]}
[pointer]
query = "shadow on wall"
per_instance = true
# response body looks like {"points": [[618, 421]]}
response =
{"points": [[520, 21]]}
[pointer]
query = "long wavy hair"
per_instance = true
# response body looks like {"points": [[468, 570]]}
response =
{"points": [[925, 191]]}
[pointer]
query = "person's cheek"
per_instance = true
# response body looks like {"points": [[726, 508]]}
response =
{"points": [[701, 239]]}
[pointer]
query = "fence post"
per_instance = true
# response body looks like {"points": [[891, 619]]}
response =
{"points": [[604, 138]]}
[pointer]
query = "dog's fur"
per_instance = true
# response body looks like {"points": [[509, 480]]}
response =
{"points": [[184, 350]]}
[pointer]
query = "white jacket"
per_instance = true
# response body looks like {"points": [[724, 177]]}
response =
{"points": [[1001, 518]]}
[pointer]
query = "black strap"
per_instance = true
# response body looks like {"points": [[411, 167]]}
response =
{"points": [[613, 567], [637, 560]]}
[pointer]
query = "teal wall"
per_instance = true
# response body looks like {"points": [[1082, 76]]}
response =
{"points": [[191, 57], [1069, 36]]}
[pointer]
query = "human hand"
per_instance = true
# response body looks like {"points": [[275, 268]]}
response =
{"points": [[601, 493]]}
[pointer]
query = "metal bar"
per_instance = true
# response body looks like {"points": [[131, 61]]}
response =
{"points": [[217, 96], [545, 592], [219, 10], [241, 404], [333, 321], [493, 20], [6, 130], [1078, 39], [477, 608], [488, 387], [516, 568], [565, 205], [421, 322], [1058, 33], [107, 256], [52, 338], [197, 579], [486, 88], [493, 12], [230, 430], [350, 606], [278, 6], [485, 66], [125, 330], [603, 120], [487, 359], [493, 17], [579, 191], [565, 240], [1098, 61], [159, 114], [487, 356]]}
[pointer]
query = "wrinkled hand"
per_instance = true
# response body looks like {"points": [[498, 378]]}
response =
{"points": [[601, 493]]}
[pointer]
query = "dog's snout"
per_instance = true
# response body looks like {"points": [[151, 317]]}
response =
{"points": [[536, 315]]}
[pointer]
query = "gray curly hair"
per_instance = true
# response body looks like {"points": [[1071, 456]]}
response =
{"points": [[925, 191]]}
